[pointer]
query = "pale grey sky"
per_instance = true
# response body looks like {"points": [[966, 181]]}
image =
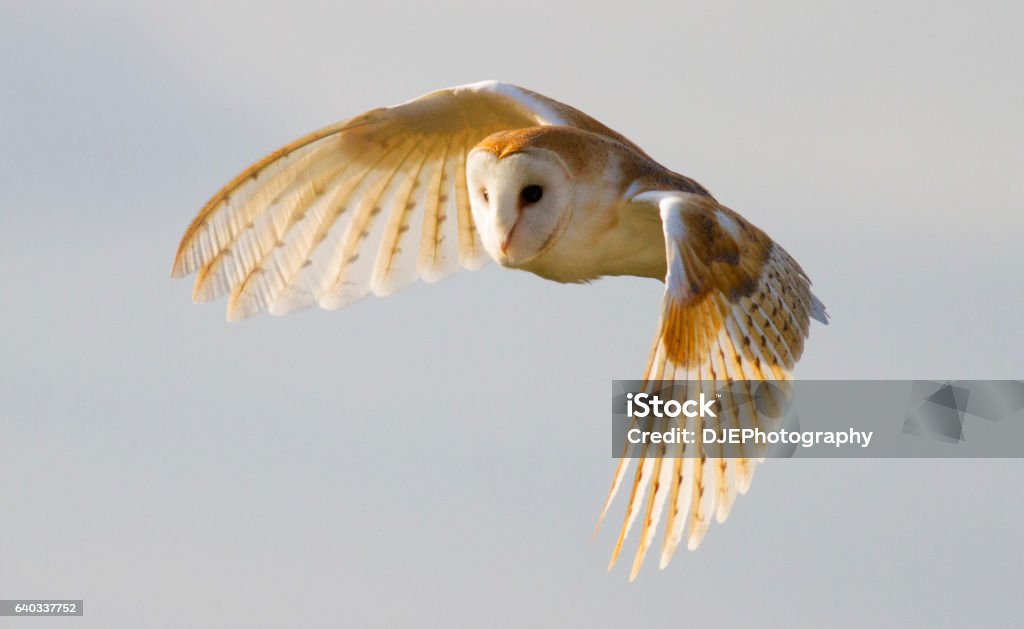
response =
{"points": [[438, 458]]}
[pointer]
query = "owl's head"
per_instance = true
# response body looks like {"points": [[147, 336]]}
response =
{"points": [[521, 199]]}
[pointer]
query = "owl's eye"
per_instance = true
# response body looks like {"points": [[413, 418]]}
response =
{"points": [[531, 194], [487, 198]]}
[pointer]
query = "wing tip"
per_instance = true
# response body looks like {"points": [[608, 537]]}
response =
{"points": [[475, 262], [242, 305], [635, 571], [236, 314], [390, 284], [178, 270], [666, 557], [339, 300], [200, 293], [183, 265], [818, 312], [432, 274]]}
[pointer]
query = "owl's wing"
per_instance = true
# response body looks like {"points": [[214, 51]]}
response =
{"points": [[364, 206], [736, 307]]}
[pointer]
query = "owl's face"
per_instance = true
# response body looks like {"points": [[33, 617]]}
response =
{"points": [[521, 202]]}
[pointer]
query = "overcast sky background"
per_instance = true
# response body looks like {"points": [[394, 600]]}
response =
{"points": [[439, 458]]}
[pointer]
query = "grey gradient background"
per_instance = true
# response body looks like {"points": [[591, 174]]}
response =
{"points": [[174, 470]]}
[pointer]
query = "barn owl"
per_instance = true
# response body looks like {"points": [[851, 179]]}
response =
{"points": [[492, 171]]}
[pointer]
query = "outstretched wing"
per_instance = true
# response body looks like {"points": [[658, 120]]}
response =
{"points": [[737, 307], [364, 206]]}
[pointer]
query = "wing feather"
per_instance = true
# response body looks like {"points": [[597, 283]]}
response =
{"points": [[441, 251], [393, 270], [242, 249], [304, 279], [347, 280], [264, 281], [431, 236]]}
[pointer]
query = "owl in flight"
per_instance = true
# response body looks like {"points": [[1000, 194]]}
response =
{"points": [[492, 171]]}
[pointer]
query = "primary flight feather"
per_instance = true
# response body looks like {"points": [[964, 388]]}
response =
{"points": [[492, 171]]}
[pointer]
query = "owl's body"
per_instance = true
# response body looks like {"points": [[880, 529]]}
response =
{"points": [[492, 171]]}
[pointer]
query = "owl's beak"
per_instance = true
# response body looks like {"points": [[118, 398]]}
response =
{"points": [[508, 239]]}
